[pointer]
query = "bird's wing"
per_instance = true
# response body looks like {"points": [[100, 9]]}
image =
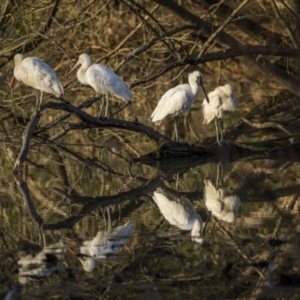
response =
{"points": [[211, 109], [172, 102], [123, 231], [85, 248], [212, 197], [105, 80], [175, 212], [109, 242], [37, 74], [232, 203], [229, 101]]}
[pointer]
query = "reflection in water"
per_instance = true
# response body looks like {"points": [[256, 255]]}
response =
{"points": [[40, 265], [104, 244], [221, 202], [181, 213]]}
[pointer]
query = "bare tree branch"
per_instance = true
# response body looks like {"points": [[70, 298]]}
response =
{"points": [[265, 67], [31, 44], [267, 125]]}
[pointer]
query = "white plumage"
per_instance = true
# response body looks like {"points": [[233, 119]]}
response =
{"points": [[222, 204], [104, 244], [38, 266], [178, 100], [101, 78], [34, 72], [180, 213], [222, 100]]}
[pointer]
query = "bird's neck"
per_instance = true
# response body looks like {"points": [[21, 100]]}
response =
{"points": [[81, 74], [195, 88], [197, 228]]}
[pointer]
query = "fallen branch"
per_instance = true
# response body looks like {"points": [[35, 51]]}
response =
{"points": [[166, 147], [267, 125]]}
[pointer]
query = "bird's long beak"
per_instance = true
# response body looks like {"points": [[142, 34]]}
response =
{"points": [[77, 64], [201, 83], [12, 83]]}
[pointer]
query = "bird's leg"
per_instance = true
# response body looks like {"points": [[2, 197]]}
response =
{"points": [[222, 130], [108, 217], [101, 106], [219, 180], [104, 218], [177, 183], [217, 133], [106, 108], [175, 126], [205, 224], [39, 95]]}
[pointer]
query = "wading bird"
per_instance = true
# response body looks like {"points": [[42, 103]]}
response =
{"points": [[104, 245], [178, 100], [34, 72], [102, 79], [222, 100], [38, 265], [221, 202], [180, 213]]}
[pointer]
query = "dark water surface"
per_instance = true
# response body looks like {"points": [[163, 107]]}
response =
{"points": [[87, 221], [105, 239]]}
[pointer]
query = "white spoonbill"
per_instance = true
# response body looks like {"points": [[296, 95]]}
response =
{"points": [[39, 265], [178, 100], [222, 100], [221, 202], [104, 244], [180, 213], [102, 79], [34, 72]]}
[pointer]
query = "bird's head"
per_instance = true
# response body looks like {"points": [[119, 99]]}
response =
{"points": [[84, 60], [18, 58], [197, 77]]}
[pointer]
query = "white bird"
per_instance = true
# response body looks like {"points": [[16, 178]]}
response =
{"points": [[178, 100], [34, 72], [180, 213], [38, 266], [222, 100], [221, 202], [104, 244], [102, 79]]}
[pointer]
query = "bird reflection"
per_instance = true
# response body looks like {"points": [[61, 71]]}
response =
{"points": [[220, 201], [39, 265], [181, 213], [104, 245]]}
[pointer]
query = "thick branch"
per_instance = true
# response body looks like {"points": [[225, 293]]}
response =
{"points": [[166, 146], [224, 54], [265, 67], [26, 140]]}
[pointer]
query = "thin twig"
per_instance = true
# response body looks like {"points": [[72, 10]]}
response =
{"points": [[267, 125]]}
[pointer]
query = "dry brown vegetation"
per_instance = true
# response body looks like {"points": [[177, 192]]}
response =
{"points": [[72, 173]]}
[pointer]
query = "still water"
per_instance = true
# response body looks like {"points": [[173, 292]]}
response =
{"points": [[89, 221], [137, 242]]}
